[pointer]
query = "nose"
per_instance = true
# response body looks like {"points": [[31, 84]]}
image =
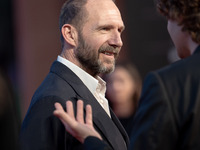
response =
{"points": [[115, 40]]}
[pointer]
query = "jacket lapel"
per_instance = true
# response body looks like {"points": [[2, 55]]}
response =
{"points": [[120, 127], [111, 130], [105, 125]]}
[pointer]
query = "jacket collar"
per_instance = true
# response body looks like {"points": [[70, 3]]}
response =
{"points": [[197, 50]]}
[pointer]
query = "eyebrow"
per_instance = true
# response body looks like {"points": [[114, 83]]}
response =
{"points": [[122, 28]]}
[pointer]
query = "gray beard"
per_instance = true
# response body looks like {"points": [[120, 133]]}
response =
{"points": [[90, 60]]}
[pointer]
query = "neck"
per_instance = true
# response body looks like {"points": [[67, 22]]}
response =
{"points": [[69, 55]]}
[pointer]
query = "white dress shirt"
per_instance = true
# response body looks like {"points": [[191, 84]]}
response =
{"points": [[96, 86]]}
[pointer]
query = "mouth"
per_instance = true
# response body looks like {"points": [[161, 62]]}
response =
{"points": [[109, 53]]}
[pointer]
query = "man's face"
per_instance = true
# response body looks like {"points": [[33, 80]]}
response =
{"points": [[179, 38], [100, 41]]}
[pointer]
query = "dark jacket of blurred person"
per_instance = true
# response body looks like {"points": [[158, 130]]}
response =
{"points": [[169, 108]]}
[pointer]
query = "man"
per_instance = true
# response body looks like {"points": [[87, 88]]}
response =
{"points": [[91, 41], [169, 109], [168, 114]]}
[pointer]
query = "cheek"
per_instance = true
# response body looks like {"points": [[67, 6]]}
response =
{"points": [[129, 90], [172, 29], [169, 29], [96, 41]]}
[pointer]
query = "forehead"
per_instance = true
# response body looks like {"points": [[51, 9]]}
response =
{"points": [[103, 12]]}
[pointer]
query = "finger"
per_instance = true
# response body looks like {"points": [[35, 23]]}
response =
{"points": [[58, 106], [58, 114], [59, 111], [67, 120], [79, 115], [89, 115], [70, 109]]}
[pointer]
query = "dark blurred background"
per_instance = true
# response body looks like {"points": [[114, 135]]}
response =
{"points": [[30, 41]]}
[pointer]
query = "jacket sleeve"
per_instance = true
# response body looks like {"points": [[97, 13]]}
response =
{"points": [[93, 143], [42, 130], [154, 123]]}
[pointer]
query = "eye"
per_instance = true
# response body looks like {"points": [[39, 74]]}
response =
{"points": [[105, 28], [120, 30]]}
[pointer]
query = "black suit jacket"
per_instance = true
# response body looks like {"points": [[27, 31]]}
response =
{"points": [[168, 116], [42, 130]]}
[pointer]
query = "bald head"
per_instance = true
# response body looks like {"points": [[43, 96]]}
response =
{"points": [[73, 12]]}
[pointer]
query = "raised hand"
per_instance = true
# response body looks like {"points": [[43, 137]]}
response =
{"points": [[77, 127]]}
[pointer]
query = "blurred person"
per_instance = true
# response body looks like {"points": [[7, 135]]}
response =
{"points": [[91, 42], [9, 118], [123, 91], [168, 113]]}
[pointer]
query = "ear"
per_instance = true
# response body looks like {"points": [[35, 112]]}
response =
{"points": [[69, 34]]}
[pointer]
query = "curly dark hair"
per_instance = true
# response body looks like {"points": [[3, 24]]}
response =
{"points": [[186, 12]]}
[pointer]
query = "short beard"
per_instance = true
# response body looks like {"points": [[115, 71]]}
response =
{"points": [[89, 59]]}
